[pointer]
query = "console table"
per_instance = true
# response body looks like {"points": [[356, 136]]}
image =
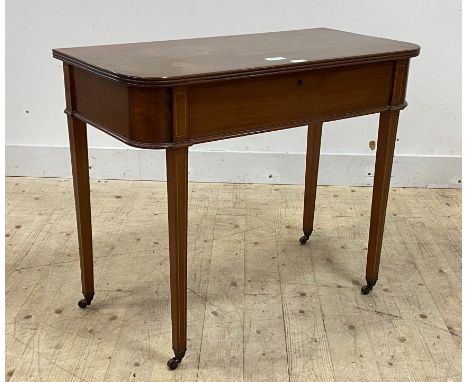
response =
{"points": [[173, 94]]}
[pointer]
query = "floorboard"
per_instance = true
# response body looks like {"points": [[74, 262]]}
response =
{"points": [[261, 306]]}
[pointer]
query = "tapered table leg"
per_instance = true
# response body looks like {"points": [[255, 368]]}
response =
{"points": [[314, 137], [177, 190], [383, 168], [79, 160]]}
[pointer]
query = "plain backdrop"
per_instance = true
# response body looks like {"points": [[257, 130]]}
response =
{"points": [[428, 151]]}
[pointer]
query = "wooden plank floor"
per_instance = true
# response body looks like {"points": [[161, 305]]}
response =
{"points": [[261, 306]]}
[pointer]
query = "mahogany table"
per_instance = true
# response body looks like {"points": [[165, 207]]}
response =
{"points": [[173, 94]]}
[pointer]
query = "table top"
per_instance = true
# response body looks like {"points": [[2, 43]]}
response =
{"points": [[228, 57]]}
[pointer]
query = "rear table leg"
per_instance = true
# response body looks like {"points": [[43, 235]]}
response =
{"points": [[314, 137]]}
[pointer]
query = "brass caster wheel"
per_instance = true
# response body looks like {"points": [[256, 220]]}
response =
{"points": [[84, 302], [366, 289], [173, 363], [303, 239]]}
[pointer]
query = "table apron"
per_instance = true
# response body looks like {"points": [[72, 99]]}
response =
{"points": [[144, 116]]}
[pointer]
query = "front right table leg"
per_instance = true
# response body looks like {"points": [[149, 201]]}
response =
{"points": [[388, 124], [177, 196]]}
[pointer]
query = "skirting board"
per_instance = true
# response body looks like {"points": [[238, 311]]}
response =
{"points": [[236, 166]]}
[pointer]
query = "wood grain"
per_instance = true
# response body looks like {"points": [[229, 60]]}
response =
{"points": [[177, 201], [183, 62], [287, 100], [129, 113], [388, 124], [314, 138], [145, 116], [77, 134], [293, 310]]}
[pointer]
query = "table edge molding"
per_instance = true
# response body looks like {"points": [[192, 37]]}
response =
{"points": [[233, 74]]}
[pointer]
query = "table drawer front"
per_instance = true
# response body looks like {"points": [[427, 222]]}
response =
{"points": [[241, 106]]}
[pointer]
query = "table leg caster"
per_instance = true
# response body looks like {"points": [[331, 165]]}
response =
{"points": [[304, 239], [174, 362], [84, 302], [367, 288]]}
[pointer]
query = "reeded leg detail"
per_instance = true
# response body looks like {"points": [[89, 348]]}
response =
{"points": [[314, 136]]}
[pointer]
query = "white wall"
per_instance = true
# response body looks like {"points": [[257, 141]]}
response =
{"points": [[428, 150]]}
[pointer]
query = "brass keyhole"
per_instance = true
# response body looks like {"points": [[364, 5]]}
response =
{"points": [[300, 82]]}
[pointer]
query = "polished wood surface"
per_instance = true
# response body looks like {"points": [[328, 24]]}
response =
{"points": [[181, 62], [286, 100], [171, 95], [229, 90], [132, 114], [80, 170], [142, 116], [342, 74], [77, 133], [314, 138], [177, 197], [383, 169]]}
